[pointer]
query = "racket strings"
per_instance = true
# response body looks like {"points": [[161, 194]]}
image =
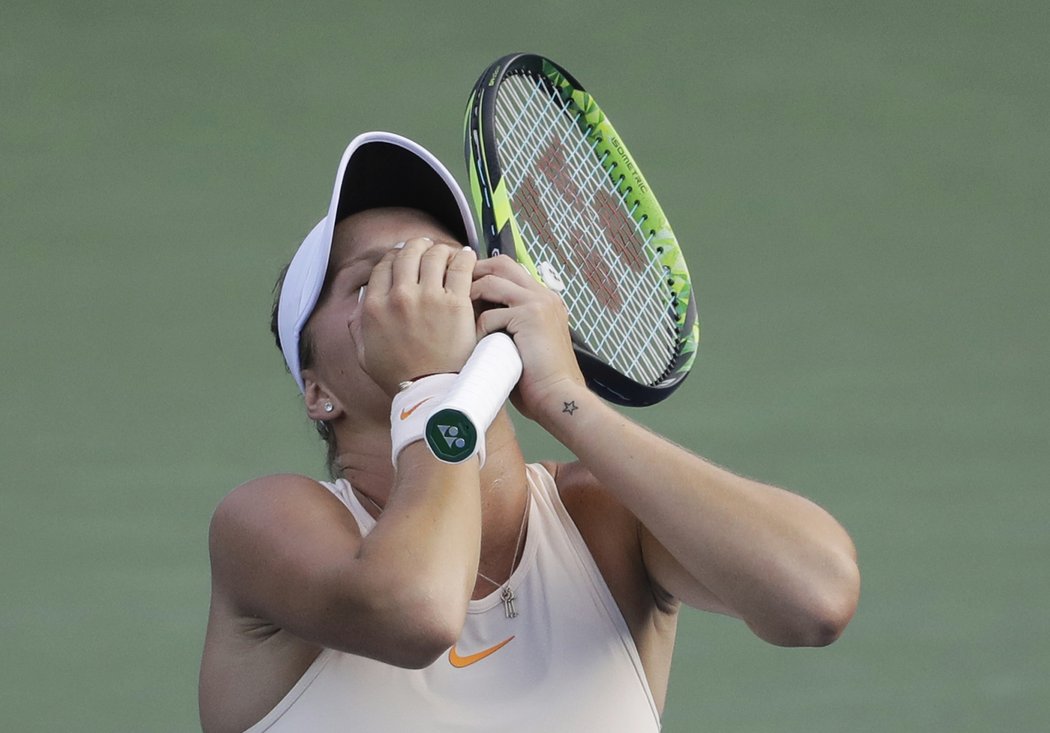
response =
{"points": [[596, 172], [622, 310], [627, 345]]}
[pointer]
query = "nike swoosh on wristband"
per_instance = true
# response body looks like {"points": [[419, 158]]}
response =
{"points": [[405, 414], [460, 662]]}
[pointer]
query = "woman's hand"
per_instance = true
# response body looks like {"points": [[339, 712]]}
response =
{"points": [[416, 315], [536, 318]]}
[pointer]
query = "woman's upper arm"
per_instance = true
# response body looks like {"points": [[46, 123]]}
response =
{"points": [[615, 531], [278, 546], [286, 551]]}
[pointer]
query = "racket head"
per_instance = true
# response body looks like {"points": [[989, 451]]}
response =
{"points": [[548, 171]]}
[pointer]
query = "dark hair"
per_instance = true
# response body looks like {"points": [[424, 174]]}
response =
{"points": [[306, 360]]}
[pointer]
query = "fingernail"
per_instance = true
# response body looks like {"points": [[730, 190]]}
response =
{"points": [[361, 293]]}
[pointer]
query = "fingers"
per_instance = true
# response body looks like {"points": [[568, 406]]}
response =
{"points": [[442, 261], [422, 262], [432, 266], [498, 289], [405, 267], [506, 267], [492, 320], [502, 281], [400, 264], [380, 279], [460, 272]]}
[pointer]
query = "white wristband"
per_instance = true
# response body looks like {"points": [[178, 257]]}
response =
{"points": [[413, 406]]}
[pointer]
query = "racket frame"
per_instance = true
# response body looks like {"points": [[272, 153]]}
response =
{"points": [[502, 235]]}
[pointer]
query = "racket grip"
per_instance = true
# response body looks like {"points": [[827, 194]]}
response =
{"points": [[456, 428]]}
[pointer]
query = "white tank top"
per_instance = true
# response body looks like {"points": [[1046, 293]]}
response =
{"points": [[567, 662]]}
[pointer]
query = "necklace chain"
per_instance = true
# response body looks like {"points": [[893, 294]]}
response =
{"points": [[507, 596]]}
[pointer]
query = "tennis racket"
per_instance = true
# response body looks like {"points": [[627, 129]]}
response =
{"points": [[556, 189]]}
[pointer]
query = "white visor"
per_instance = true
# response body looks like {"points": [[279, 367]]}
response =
{"points": [[377, 169]]}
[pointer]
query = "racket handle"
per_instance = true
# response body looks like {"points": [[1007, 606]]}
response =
{"points": [[456, 428]]}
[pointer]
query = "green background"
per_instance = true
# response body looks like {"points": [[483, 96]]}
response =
{"points": [[862, 193]]}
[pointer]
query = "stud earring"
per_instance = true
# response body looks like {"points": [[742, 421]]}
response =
{"points": [[328, 407]]}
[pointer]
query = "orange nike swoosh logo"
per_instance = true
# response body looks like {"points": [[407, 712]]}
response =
{"points": [[405, 414], [460, 662]]}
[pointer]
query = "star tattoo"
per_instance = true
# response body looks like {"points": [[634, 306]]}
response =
{"points": [[570, 407]]}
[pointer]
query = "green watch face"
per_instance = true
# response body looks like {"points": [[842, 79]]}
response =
{"points": [[451, 436]]}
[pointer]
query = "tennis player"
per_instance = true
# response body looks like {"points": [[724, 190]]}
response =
{"points": [[411, 595]]}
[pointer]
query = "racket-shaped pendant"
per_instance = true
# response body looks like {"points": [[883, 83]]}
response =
{"points": [[507, 596]]}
